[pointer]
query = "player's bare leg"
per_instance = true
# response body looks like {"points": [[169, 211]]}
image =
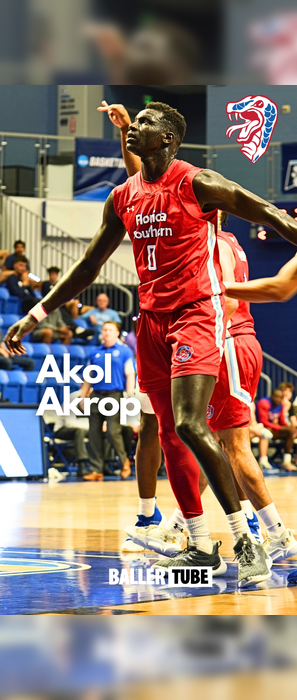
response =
{"points": [[190, 397], [148, 456], [236, 443], [148, 460]]}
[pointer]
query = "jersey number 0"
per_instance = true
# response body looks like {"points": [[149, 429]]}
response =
{"points": [[151, 255]]}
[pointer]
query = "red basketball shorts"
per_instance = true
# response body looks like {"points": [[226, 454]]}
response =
{"points": [[240, 370], [187, 341]]}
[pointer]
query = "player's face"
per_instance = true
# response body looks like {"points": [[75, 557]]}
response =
{"points": [[146, 134]]}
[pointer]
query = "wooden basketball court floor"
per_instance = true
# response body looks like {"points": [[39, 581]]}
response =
{"points": [[58, 541]]}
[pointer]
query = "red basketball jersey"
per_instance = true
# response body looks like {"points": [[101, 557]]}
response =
{"points": [[174, 242], [242, 321]]}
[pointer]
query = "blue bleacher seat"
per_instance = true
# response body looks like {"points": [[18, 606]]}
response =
{"points": [[29, 349], [81, 322], [89, 349], [13, 305], [58, 351], [31, 391], [40, 350], [13, 390], [4, 379], [77, 355], [9, 320], [4, 295]]}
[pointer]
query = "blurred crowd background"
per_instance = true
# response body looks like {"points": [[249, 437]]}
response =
{"points": [[155, 41], [219, 656]]}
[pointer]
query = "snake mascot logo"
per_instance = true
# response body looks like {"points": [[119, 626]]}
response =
{"points": [[259, 115]]}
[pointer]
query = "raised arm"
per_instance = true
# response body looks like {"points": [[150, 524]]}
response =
{"points": [[212, 190], [80, 275], [279, 288], [119, 116]]}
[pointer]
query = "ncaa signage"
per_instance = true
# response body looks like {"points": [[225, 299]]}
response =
{"points": [[289, 168], [99, 167]]}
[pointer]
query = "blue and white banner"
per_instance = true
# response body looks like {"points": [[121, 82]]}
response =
{"points": [[289, 168], [99, 167]]}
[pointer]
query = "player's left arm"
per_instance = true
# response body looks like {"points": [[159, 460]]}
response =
{"points": [[212, 190], [227, 262], [282, 287]]}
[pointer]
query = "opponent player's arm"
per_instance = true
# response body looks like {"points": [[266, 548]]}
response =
{"points": [[80, 275], [119, 116], [227, 261], [212, 190], [279, 288]]}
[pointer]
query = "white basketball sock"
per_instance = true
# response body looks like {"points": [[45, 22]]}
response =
{"points": [[147, 507], [199, 533], [271, 519], [247, 509], [175, 522], [239, 526]]}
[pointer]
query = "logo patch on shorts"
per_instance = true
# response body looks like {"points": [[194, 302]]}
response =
{"points": [[209, 411], [184, 353]]}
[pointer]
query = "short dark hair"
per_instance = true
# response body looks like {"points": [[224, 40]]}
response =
{"points": [[174, 119], [19, 242], [53, 268], [20, 258]]}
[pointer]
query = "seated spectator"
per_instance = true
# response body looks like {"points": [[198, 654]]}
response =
{"points": [[288, 388], [123, 379], [52, 328], [19, 284], [19, 249], [130, 338], [47, 285], [73, 428], [101, 314], [271, 412], [4, 273], [8, 362], [257, 430]]}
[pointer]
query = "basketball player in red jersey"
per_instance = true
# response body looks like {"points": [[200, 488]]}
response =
{"points": [[229, 412], [181, 330]]}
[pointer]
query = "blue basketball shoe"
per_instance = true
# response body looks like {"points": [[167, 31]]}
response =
{"points": [[255, 528], [134, 542]]}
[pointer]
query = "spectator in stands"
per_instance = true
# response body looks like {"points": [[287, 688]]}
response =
{"points": [[289, 409], [8, 362], [98, 315], [257, 430], [122, 379], [52, 328], [47, 285], [19, 249], [271, 412], [4, 273], [75, 428], [130, 338], [20, 285]]}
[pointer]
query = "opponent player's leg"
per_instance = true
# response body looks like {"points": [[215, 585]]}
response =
{"points": [[190, 398], [280, 541], [148, 459]]}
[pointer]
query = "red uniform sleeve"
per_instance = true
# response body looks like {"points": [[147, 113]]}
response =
{"points": [[262, 411], [282, 418]]}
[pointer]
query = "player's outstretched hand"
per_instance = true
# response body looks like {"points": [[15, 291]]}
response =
{"points": [[118, 114], [16, 332]]}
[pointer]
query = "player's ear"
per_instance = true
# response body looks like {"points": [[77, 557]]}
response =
{"points": [[169, 137]]}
